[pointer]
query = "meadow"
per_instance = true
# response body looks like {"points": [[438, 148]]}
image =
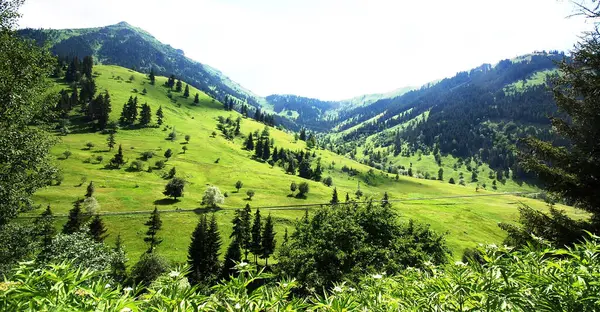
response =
{"points": [[462, 212]]}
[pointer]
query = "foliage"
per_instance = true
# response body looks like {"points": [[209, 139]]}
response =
{"points": [[536, 278], [345, 241], [24, 150], [149, 268], [80, 249], [213, 197], [154, 224], [203, 253], [175, 188]]}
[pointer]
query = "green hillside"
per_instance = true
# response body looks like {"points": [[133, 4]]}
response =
{"points": [[467, 220]]}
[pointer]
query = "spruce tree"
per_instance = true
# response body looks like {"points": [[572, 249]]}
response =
{"points": [[256, 233], [152, 76], [118, 265], [104, 110], [197, 251], [268, 240], [44, 225], [213, 247], [76, 219], [385, 201], [159, 116], [249, 143], [258, 148], [178, 86], [334, 197], [110, 141], [285, 238], [196, 98], [97, 229], [304, 170], [246, 241], [118, 160], [145, 115], [90, 189], [154, 224], [232, 257], [266, 153], [186, 92], [87, 66]]}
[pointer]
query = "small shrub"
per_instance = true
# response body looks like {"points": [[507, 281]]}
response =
{"points": [[147, 155], [67, 154], [99, 158], [328, 181], [159, 164], [89, 145], [136, 165], [250, 194]]}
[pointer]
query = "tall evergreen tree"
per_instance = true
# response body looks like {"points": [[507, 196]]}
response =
{"points": [[87, 66], [73, 73], [159, 116], [118, 265], [232, 257], [76, 219], [130, 112], [304, 170], [266, 153], [258, 148], [74, 99], [104, 111], [334, 197], [110, 140], [152, 76], [268, 240], [186, 92], [154, 224], [118, 160], [178, 86], [385, 201], [89, 192], [256, 233], [196, 98], [249, 142], [44, 225], [246, 238], [145, 115], [203, 253], [97, 229]]}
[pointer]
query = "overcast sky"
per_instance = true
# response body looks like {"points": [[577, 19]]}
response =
{"points": [[331, 49]]}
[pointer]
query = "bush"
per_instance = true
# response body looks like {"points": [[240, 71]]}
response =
{"points": [[303, 189], [67, 154], [89, 145], [328, 181], [147, 155], [149, 268], [136, 165], [99, 159], [80, 249], [159, 164], [250, 194], [346, 242]]}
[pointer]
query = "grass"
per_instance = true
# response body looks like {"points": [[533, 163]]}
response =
{"points": [[466, 220]]}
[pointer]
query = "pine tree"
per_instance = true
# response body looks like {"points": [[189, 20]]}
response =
{"points": [[129, 113], [90, 189], [214, 247], [186, 92], [285, 238], [118, 265], [268, 240], [246, 238], [266, 153], [178, 86], [118, 160], [318, 172], [154, 224], [74, 99], [303, 134], [104, 111], [334, 197], [110, 141], [152, 76], [97, 229], [159, 116], [304, 170], [145, 115], [385, 201], [256, 233], [76, 219], [87, 66], [203, 253], [249, 142], [232, 257], [196, 98], [44, 225], [258, 149], [347, 197]]}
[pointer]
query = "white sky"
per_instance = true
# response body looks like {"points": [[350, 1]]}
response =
{"points": [[331, 49]]}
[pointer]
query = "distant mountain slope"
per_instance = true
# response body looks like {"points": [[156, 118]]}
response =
{"points": [[125, 45], [131, 47], [478, 114]]}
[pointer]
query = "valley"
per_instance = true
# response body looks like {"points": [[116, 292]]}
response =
{"points": [[467, 220]]}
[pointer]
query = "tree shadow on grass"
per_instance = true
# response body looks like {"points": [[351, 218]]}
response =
{"points": [[166, 201], [202, 210]]}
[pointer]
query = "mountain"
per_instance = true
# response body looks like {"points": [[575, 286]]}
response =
{"points": [[131, 47], [476, 115], [125, 45]]}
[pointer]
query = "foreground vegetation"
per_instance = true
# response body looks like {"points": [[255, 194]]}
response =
{"points": [[536, 278]]}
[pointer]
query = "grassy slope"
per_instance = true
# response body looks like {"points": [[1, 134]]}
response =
{"points": [[467, 220]]}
